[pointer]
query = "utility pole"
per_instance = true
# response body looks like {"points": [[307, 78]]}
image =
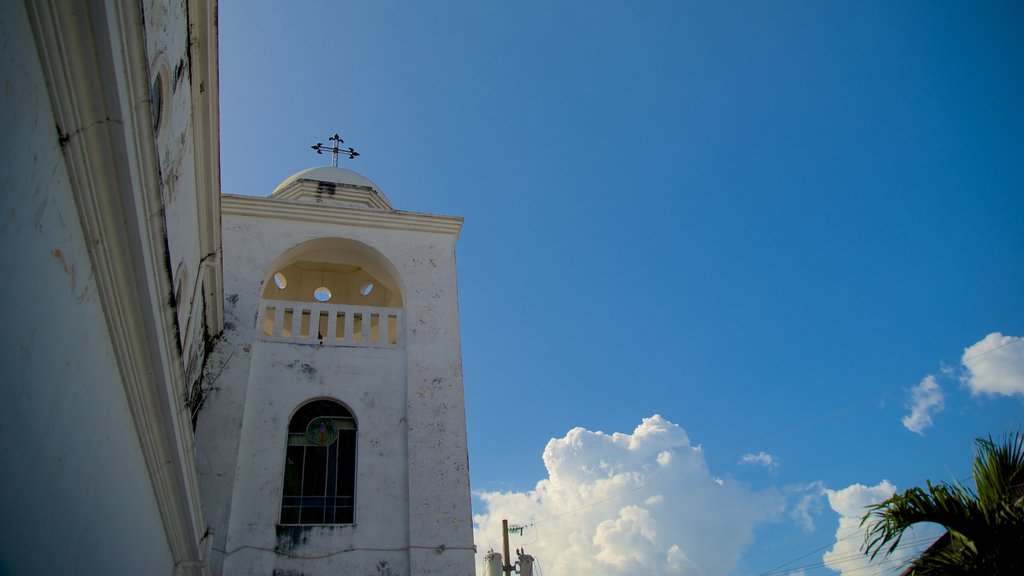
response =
{"points": [[498, 565], [506, 561]]}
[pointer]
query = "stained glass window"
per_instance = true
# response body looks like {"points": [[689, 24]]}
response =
{"points": [[319, 472]]}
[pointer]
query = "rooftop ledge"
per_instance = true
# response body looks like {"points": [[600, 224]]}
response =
{"points": [[329, 213]]}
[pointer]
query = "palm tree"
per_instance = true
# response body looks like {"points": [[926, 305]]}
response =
{"points": [[984, 527]]}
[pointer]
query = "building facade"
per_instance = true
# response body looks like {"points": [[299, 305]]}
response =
{"points": [[333, 438], [111, 219], [198, 384]]}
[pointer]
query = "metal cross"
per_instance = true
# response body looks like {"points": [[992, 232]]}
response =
{"points": [[335, 149]]}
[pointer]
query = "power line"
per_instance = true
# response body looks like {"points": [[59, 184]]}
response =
{"points": [[837, 563], [842, 558], [818, 549], [594, 503], [1011, 340]]}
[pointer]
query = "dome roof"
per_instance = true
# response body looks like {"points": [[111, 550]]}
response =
{"points": [[329, 174], [332, 184]]}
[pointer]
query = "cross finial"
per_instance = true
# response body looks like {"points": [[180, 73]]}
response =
{"points": [[335, 149]]}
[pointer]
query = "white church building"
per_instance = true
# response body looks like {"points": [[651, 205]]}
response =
{"points": [[206, 384]]}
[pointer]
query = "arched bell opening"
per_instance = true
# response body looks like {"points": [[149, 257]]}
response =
{"points": [[333, 291], [337, 283], [351, 272]]}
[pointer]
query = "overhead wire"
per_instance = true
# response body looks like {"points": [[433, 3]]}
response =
{"points": [[798, 558], [840, 559], [845, 560], [536, 536], [993, 349], [594, 503]]}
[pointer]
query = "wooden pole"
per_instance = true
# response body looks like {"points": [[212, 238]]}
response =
{"points": [[506, 560]]}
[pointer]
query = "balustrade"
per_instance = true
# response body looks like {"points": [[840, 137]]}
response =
{"points": [[331, 324]]}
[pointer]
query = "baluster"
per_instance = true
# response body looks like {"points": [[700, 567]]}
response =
{"points": [[287, 315], [296, 322], [306, 323], [330, 335], [269, 316]]}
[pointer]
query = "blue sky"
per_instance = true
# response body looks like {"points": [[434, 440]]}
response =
{"points": [[766, 222]]}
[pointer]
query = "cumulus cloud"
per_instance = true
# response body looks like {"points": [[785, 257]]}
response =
{"points": [[926, 400], [762, 458], [846, 556], [624, 504], [809, 502], [851, 504], [995, 366]]}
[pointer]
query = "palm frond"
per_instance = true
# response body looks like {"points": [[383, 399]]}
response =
{"points": [[948, 505], [985, 526], [999, 469]]}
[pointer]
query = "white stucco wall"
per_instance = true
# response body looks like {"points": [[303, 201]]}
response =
{"points": [[75, 492], [371, 383], [167, 49], [412, 494], [166, 32]]}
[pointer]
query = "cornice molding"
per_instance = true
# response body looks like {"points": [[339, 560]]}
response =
{"points": [[202, 18], [93, 57], [324, 213]]}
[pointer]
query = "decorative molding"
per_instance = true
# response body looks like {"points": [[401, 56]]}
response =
{"points": [[202, 18], [277, 209], [93, 56]]}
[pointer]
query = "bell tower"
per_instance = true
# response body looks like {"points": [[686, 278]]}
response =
{"points": [[333, 436]]}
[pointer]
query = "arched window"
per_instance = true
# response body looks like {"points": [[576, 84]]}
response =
{"points": [[320, 465]]}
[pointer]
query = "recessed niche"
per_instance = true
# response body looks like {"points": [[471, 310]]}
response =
{"points": [[156, 100]]}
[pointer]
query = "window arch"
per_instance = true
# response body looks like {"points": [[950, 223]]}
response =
{"points": [[320, 465]]}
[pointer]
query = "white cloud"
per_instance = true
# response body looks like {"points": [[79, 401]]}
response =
{"points": [[624, 504], [808, 504], [656, 500], [995, 366], [763, 458], [927, 399], [851, 504], [846, 556]]}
